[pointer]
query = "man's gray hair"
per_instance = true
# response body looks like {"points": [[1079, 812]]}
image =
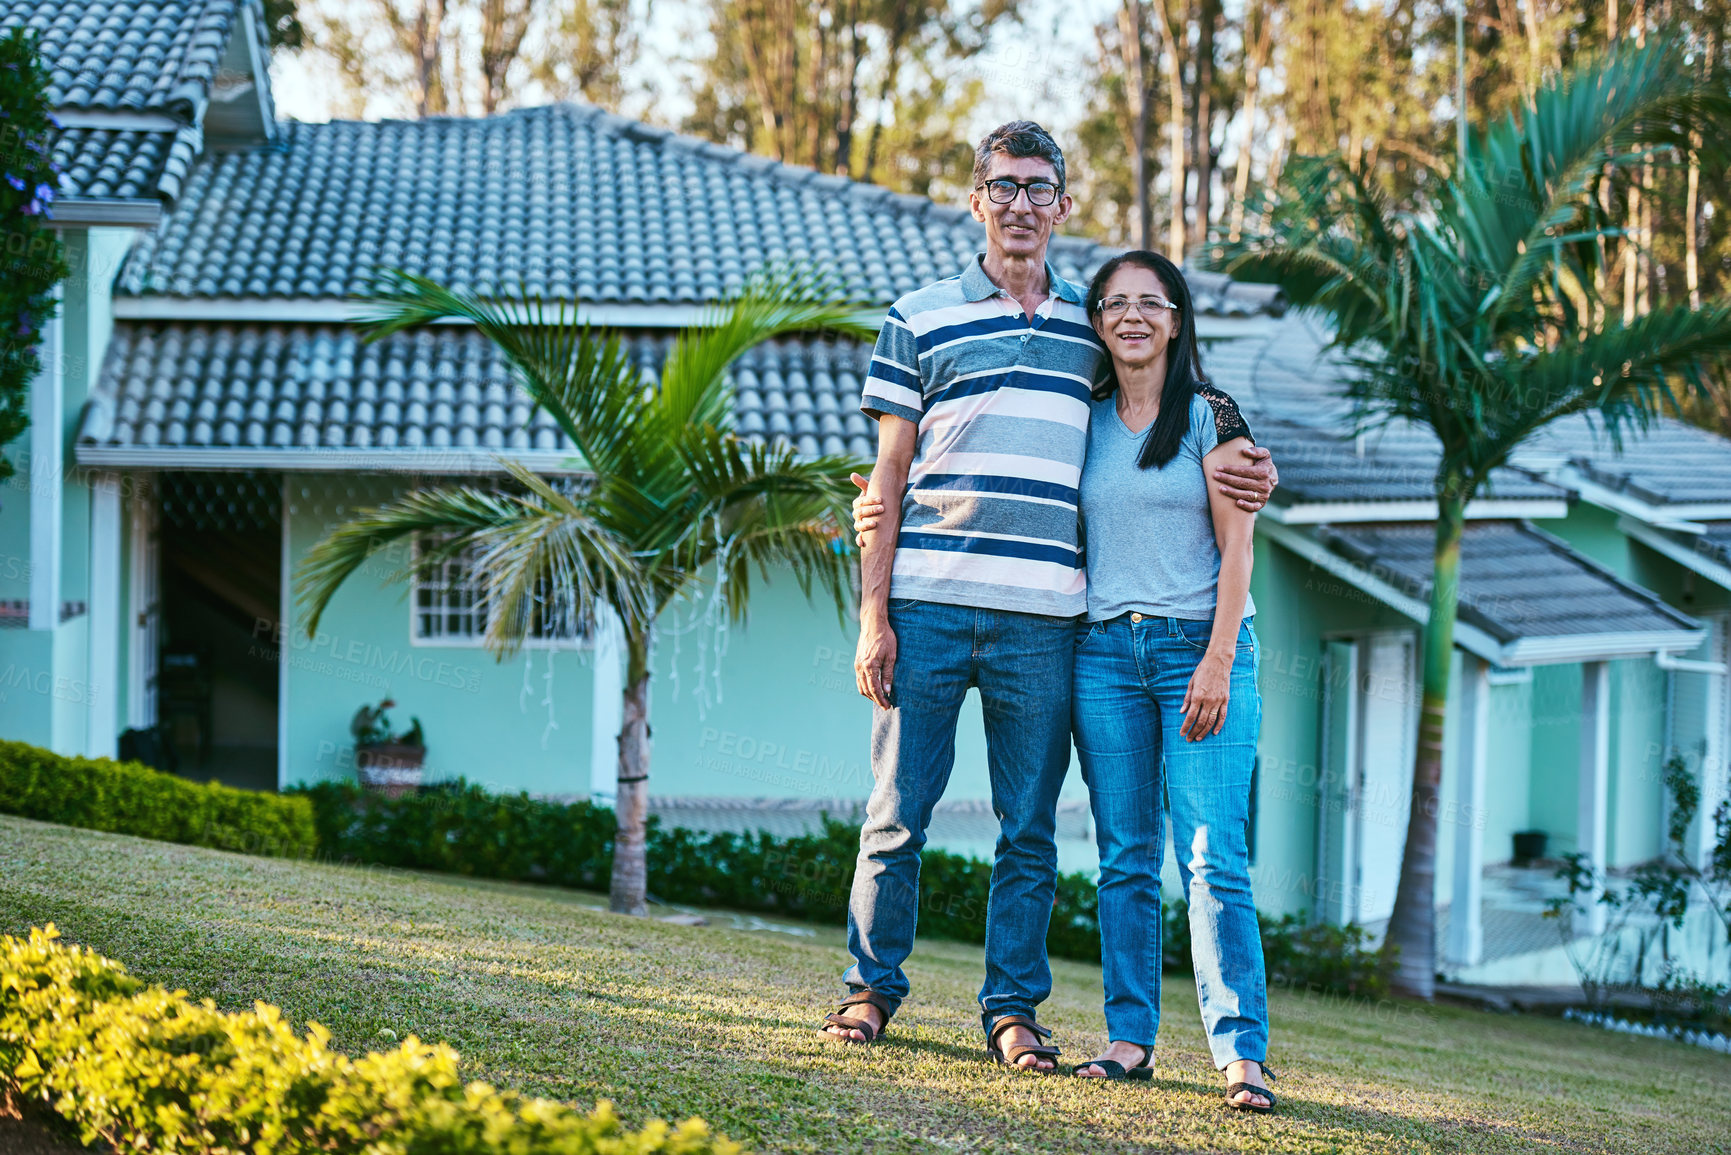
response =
{"points": [[1018, 138]]}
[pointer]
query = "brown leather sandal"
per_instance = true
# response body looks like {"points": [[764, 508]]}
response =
{"points": [[848, 1023], [1010, 1057]]}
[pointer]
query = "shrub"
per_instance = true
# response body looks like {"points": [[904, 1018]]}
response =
{"points": [[145, 1069], [462, 829], [1296, 953], [131, 798], [33, 259]]}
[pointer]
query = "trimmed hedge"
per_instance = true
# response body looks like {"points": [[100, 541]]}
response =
{"points": [[147, 1070], [131, 798], [462, 829]]}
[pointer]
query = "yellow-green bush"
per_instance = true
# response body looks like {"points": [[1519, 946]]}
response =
{"points": [[147, 1069], [131, 798]]}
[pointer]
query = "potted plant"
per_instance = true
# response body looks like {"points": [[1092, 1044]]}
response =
{"points": [[386, 762]]}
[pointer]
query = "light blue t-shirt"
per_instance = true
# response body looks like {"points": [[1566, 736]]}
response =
{"points": [[1149, 535]]}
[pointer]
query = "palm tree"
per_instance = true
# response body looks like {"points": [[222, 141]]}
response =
{"points": [[1472, 311], [673, 504]]}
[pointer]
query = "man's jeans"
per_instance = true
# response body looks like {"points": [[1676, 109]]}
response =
{"points": [[1021, 664], [1130, 683]]}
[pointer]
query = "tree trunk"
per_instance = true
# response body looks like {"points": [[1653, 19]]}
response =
{"points": [[628, 893], [1252, 83], [1132, 52], [1412, 927], [1173, 33], [1202, 118]]}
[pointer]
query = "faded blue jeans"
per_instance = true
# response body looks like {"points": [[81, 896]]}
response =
{"points": [[1130, 683], [1021, 664]]}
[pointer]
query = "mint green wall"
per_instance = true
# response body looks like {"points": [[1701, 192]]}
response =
{"points": [[1637, 764], [27, 686], [1556, 732], [479, 722], [1297, 605], [1508, 777]]}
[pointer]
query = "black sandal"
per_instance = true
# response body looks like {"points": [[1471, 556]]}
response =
{"points": [[1114, 1070], [1010, 1057], [848, 1023], [1235, 1088]]}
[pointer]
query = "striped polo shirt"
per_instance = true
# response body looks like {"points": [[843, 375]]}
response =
{"points": [[989, 518]]}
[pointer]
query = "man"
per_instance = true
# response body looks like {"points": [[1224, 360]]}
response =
{"points": [[980, 384]]}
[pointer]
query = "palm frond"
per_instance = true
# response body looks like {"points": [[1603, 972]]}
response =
{"points": [[585, 380], [537, 545]]}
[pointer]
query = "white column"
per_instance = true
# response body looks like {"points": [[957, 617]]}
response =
{"points": [[47, 415], [1466, 941], [142, 610], [1594, 781], [608, 707], [105, 615], [1714, 783], [284, 631]]}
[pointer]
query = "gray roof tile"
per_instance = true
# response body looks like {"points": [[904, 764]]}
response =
{"points": [[97, 162], [136, 55], [1317, 465], [1516, 581], [565, 200], [185, 386]]}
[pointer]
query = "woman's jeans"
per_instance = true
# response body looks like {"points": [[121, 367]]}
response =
{"points": [[1129, 690]]}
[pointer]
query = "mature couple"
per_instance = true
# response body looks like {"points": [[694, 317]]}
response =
{"points": [[991, 389]]}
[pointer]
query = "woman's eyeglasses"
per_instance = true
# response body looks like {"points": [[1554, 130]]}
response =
{"points": [[1040, 192], [1147, 306]]}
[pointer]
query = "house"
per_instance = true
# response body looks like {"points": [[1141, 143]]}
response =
{"points": [[207, 414]]}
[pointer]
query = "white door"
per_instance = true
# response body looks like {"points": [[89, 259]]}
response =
{"points": [[1335, 840], [1388, 708]]}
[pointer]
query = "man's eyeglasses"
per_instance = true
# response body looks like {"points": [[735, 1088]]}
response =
{"points": [[1040, 192], [1147, 306]]}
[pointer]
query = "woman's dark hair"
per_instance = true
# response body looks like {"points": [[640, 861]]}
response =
{"points": [[1183, 355]]}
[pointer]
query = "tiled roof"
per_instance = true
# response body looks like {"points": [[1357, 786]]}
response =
{"points": [[1320, 466], [566, 201], [1516, 581], [1715, 541], [103, 162], [1672, 464], [133, 55], [168, 386]]}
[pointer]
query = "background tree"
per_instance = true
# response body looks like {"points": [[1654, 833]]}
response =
{"points": [[674, 507], [1468, 308], [32, 260], [800, 82]]}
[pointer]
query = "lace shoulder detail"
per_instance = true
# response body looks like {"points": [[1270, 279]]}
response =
{"points": [[1228, 421]]}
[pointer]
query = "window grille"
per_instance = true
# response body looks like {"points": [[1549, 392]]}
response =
{"points": [[450, 608]]}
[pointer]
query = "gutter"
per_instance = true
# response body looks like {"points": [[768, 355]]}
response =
{"points": [[423, 461], [1675, 517], [1346, 512], [131, 212]]}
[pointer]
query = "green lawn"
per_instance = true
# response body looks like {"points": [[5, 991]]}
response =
{"points": [[544, 991]]}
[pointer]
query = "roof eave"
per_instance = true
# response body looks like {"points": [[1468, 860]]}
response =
{"points": [[1535, 650], [1352, 512], [303, 460], [1662, 543], [127, 212]]}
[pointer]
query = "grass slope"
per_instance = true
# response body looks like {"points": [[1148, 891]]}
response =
{"points": [[544, 991]]}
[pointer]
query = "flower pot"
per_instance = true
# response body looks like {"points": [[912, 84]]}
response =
{"points": [[1529, 846], [391, 768]]}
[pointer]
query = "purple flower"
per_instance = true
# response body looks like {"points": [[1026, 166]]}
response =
{"points": [[45, 193], [15, 181]]}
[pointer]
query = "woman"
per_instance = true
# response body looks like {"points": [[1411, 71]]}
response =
{"points": [[1165, 704]]}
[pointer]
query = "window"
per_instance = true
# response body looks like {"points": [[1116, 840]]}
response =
{"points": [[449, 608]]}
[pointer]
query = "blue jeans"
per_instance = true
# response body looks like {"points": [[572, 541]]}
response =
{"points": [[1021, 664], [1130, 683]]}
